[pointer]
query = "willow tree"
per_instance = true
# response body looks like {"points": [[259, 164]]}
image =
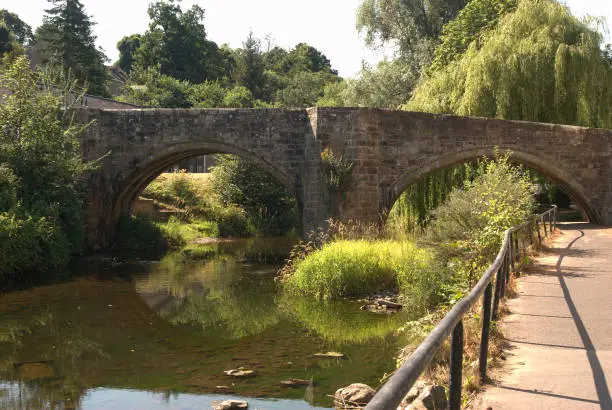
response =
{"points": [[539, 64]]}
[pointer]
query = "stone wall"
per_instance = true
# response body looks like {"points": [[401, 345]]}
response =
{"points": [[390, 149]]}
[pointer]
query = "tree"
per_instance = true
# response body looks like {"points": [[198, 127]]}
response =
{"points": [[405, 23], [21, 30], [250, 66], [176, 40], [127, 47], [305, 58], [271, 208], [303, 89], [148, 87], [388, 85], [540, 64], [66, 37], [42, 175], [477, 18], [8, 42]]}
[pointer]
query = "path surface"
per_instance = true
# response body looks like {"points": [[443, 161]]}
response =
{"points": [[560, 329]]}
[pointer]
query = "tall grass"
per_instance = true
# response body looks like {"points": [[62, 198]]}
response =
{"points": [[349, 268]]}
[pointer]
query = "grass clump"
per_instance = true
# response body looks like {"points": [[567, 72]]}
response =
{"points": [[348, 268]]}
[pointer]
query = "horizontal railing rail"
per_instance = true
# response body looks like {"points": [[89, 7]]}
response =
{"points": [[514, 246]]}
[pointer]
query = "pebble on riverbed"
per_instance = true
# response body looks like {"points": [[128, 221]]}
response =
{"points": [[239, 372], [330, 355], [295, 382]]}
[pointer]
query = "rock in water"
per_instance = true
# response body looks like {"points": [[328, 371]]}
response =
{"points": [[295, 382], [434, 397], [240, 372], [353, 396], [388, 304], [231, 405], [330, 355]]}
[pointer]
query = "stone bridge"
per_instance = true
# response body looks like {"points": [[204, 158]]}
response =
{"points": [[389, 149]]}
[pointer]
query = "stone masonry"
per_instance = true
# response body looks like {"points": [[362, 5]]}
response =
{"points": [[390, 150]]}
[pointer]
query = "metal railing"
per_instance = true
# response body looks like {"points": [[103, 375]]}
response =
{"points": [[514, 247]]}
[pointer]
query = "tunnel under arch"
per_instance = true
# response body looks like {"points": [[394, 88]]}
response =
{"points": [[561, 178], [146, 172]]}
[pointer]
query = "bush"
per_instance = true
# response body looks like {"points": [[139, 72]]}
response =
{"points": [[141, 236], [468, 228], [30, 245], [358, 267], [270, 208]]}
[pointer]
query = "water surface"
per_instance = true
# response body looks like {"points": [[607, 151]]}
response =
{"points": [[159, 336]]}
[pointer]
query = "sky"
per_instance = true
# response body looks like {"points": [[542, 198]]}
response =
{"points": [[328, 25]]}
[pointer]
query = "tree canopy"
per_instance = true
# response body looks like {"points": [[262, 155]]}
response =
{"points": [[405, 23], [176, 40], [127, 47], [66, 37], [539, 64], [21, 30]]}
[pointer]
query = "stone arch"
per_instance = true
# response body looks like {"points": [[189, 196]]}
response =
{"points": [[557, 174], [146, 171]]}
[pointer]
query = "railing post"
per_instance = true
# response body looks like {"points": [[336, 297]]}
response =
{"points": [[537, 222], [499, 286], [484, 336], [456, 368], [530, 226], [550, 221], [544, 223], [511, 253]]}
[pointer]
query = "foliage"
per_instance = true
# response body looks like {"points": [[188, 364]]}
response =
{"points": [[250, 66], [127, 47], [176, 41], [203, 213], [41, 171], [539, 64], [209, 94], [148, 87], [140, 236], [388, 85], [412, 210], [468, 228], [270, 207], [338, 171], [8, 42], [32, 245], [66, 37], [303, 89], [405, 23], [471, 24], [20, 29], [238, 97], [359, 267]]}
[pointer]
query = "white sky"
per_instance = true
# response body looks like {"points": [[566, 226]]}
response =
{"points": [[328, 25]]}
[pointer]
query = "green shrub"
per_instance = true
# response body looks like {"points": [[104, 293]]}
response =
{"points": [[468, 228], [141, 236], [31, 246], [358, 267]]}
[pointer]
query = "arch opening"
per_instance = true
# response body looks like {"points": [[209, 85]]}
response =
{"points": [[554, 183], [260, 199]]}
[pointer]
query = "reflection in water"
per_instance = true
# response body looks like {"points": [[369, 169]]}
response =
{"points": [[166, 336]]}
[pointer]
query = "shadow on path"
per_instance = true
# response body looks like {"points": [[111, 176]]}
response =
{"points": [[601, 386]]}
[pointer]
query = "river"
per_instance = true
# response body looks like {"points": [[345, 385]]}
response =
{"points": [[159, 335]]}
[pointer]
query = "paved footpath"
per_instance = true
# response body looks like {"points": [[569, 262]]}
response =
{"points": [[560, 329]]}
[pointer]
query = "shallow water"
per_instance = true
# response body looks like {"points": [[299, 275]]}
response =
{"points": [[159, 336]]}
